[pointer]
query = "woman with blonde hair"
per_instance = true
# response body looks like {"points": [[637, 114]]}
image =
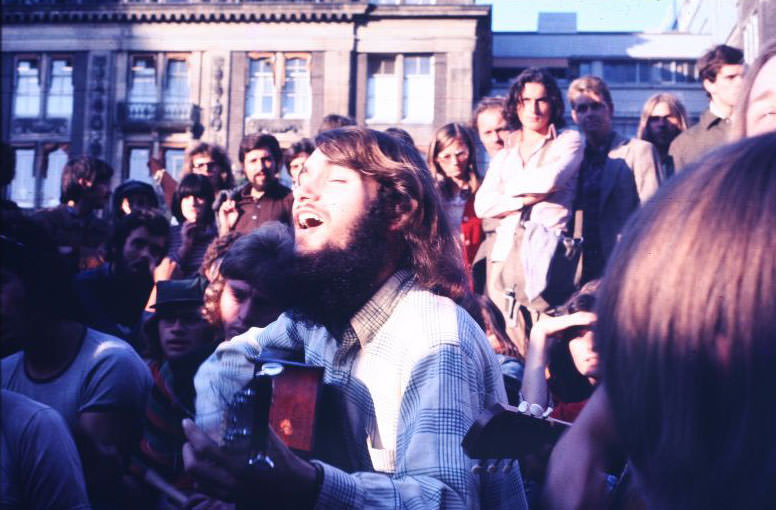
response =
{"points": [[663, 118], [452, 160]]}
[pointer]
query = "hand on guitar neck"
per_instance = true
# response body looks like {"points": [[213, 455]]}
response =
{"points": [[291, 482]]}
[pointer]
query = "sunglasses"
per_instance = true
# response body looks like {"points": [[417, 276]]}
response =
{"points": [[584, 107]]}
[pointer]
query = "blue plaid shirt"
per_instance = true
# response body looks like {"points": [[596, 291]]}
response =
{"points": [[403, 383]]}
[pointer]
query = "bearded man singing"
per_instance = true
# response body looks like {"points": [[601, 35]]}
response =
{"points": [[379, 286]]}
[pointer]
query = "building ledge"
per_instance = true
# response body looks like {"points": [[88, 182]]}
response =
{"points": [[182, 13]]}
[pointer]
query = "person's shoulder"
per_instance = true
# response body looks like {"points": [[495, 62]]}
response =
{"points": [[98, 273], [25, 409], [569, 134], [100, 346], [437, 319]]}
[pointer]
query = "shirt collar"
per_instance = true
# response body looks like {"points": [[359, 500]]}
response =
{"points": [[715, 111], [375, 312]]}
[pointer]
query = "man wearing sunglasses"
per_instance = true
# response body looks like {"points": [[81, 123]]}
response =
{"points": [[616, 176]]}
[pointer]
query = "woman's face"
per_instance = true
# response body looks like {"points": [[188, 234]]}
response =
{"points": [[584, 356], [453, 159], [193, 208], [761, 110]]}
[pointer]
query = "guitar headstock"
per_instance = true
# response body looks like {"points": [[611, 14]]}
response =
{"points": [[247, 416], [502, 434]]}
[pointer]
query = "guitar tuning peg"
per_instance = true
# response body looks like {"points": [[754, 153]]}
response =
{"points": [[477, 467], [508, 466], [493, 466]]}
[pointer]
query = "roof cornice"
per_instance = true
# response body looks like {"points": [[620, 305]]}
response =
{"points": [[183, 13]]}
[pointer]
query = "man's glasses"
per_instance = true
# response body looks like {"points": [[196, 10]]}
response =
{"points": [[584, 107], [205, 164]]}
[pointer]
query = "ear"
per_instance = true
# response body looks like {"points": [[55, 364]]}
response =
{"points": [[708, 86], [403, 213]]}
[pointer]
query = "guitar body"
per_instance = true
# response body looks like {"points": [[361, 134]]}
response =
{"points": [[295, 404]]}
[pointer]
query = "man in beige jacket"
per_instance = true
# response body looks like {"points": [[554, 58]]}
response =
{"points": [[616, 176]]}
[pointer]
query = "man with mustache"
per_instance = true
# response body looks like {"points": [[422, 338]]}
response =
{"points": [[113, 295], [380, 287], [616, 176]]}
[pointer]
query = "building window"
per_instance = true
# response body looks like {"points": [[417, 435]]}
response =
{"points": [[52, 183], [27, 93], [30, 95], [418, 90], [278, 86], [23, 185], [647, 72], [176, 98], [31, 188], [60, 95], [138, 164], [296, 89], [390, 99], [137, 157], [382, 85], [260, 99], [147, 100]]}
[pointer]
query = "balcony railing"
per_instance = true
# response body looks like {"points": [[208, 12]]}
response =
{"points": [[154, 112]]}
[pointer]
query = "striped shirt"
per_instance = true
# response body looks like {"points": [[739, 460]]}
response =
{"points": [[403, 383]]}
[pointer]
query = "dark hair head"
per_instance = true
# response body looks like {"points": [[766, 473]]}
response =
{"points": [[152, 220], [83, 168], [193, 185], [432, 252], [401, 134], [129, 189], [210, 270], [261, 141], [485, 104], [565, 382], [534, 75], [7, 164], [303, 146], [225, 179], [29, 251], [334, 121], [263, 258], [443, 137], [713, 60], [686, 331]]}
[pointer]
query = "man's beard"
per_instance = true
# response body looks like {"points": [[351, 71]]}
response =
{"points": [[332, 284]]}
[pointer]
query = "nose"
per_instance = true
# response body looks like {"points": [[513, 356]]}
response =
{"points": [[304, 191], [536, 108]]}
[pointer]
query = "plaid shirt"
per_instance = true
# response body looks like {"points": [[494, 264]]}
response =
{"points": [[403, 383]]}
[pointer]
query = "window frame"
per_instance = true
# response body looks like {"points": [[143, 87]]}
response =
{"points": [[277, 61], [400, 116], [45, 63], [160, 66]]}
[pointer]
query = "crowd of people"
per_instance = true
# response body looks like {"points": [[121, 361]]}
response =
{"points": [[622, 286]]}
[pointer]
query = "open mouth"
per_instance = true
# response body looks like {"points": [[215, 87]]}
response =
{"points": [[308, 220]]}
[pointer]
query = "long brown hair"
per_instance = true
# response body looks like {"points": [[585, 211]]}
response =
{"points": [[443, 137], [686, 331], [431, 250]]}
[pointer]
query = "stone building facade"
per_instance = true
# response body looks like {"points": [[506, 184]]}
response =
{"points": [[124, 80]]}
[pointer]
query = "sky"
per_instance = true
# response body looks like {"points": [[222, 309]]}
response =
{"points": [[592, 15]]}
